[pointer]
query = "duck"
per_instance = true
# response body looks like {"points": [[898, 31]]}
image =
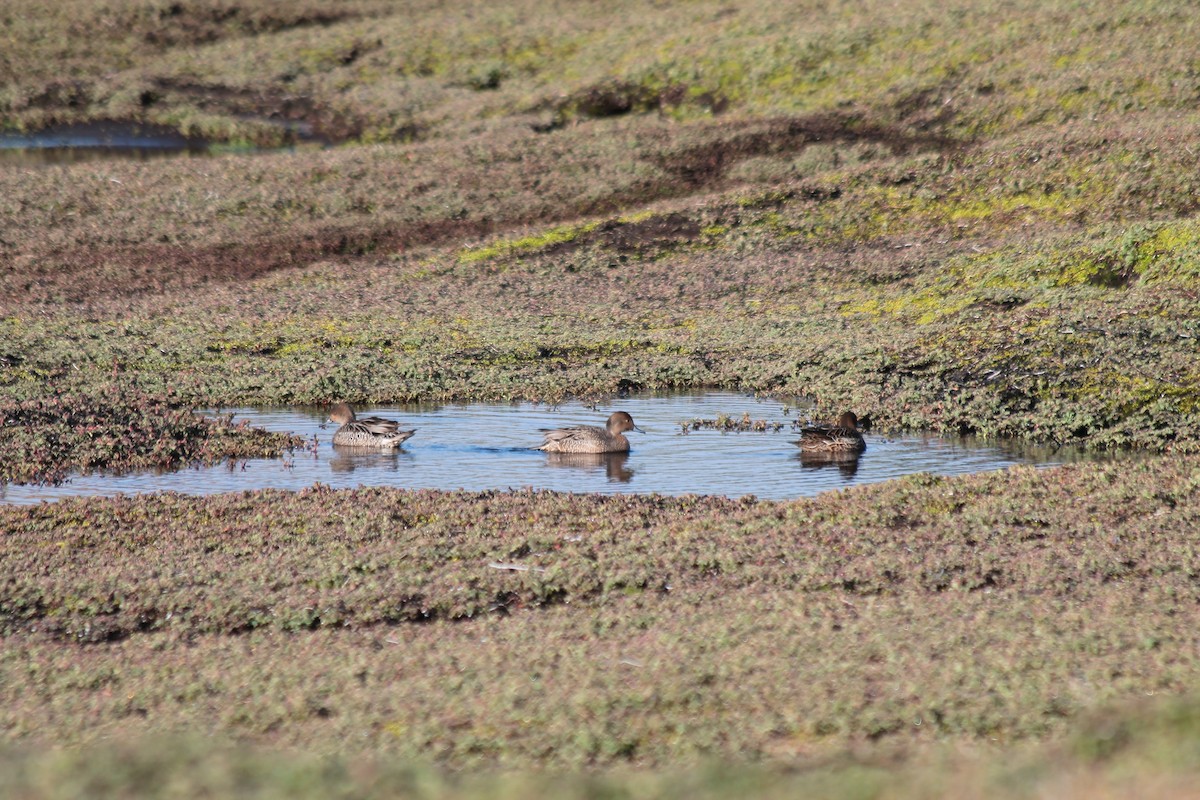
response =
{"points": [[373, 432], [591, 438], [841, 437]]}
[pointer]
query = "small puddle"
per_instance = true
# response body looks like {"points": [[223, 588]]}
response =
{"points": [[90, 141], [479, 446]]}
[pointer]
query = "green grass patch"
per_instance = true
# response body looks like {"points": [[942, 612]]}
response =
{"points": [[526, 244]]}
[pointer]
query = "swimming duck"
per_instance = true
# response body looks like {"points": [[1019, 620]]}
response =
{"points": [[590, 438], [374, 432], [842, 437]]}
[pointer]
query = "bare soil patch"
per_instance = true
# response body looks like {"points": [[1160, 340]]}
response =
{"points": [[84, 275], [706, 164], [188, 24]]}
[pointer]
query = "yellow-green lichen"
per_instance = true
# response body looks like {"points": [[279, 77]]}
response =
{"points": [[921, 308], [526, 244]]}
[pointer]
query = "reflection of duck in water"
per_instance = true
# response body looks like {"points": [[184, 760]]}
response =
{"points": [[613, 463], [846, 462], [590, 438], [842, 437], [348, 459], [368, 432]]}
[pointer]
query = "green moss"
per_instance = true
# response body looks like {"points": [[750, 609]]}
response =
{"points": [[1165, 252], [921, 308], [1151, 252], [640, 216], [525, 244]]}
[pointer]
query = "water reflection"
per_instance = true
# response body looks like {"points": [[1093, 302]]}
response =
{"points": [[481, 446], [102, 140], [845, 463], [88, 141], [613, 465], [347, 459]]}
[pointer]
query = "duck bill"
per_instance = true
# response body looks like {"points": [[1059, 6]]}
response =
{"points": [[639, 430]]}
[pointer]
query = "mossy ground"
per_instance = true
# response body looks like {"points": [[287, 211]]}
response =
{"points": [[979, 219], [647, 632]]}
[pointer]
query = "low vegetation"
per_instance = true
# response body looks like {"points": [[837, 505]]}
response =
{"points": [[1143, 749], [565, 630], [118, 429]]}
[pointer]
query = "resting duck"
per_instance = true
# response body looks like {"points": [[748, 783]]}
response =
{"points": [[374, 432], [842, 437], [590, 438]]}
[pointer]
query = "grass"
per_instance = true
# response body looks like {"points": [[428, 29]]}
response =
{"points": [[980, 221], [1097, 761], [653, 630], [976, 68]]}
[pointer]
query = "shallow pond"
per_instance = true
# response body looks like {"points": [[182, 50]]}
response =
{"points": [[480, 446], [68, 144], [92, 141]]}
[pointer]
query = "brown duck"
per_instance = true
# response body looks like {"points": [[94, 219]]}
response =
{"points": [[841, 437], [591, 438]]}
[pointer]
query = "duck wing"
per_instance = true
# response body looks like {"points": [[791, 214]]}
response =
{"points": [[821, 438], [843, 433], [817, 431], [377, 425], [557, 436]]}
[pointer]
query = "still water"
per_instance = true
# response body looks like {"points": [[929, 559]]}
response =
{"points": [[480, 446], [95, 141], [88, 141]]}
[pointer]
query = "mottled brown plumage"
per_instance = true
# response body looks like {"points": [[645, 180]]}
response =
{"points": [[842, 437], [590, 438], [373, 432]]}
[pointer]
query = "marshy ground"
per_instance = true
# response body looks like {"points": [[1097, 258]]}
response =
{"points": [[980, 219]]}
